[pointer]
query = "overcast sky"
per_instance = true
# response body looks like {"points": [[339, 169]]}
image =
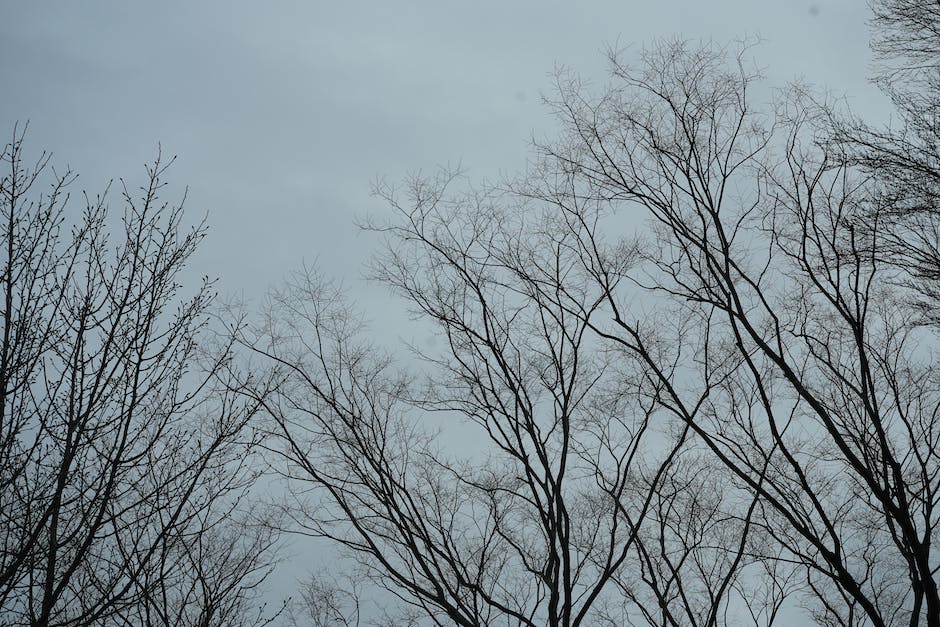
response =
{"points": [[282, 114]]}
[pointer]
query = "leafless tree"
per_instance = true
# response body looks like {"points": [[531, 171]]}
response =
{"points": [[904, 156], [124, 454], [574, 507], [686, 349], [907, 32], [804, 376], [328, 601]]}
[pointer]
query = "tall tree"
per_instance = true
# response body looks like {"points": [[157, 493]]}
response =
{"points": [[575, 505], [123, 450], [803, 376], [725, 413]]}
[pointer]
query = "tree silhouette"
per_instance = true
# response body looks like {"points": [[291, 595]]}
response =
{"points": [[123, 449], [692, 344]]}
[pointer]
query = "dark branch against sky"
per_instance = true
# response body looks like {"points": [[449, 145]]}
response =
{"points": [[283, 115]]}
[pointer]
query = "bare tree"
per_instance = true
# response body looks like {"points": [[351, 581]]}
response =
{"points": [[903, 157], [802, 370], [574, 507], [123, 450], [326, 602], [723, 415]]}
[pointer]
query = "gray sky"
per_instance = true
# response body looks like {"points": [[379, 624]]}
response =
{"points": [[283, 113]]}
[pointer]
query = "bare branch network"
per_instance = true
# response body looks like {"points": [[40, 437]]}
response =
{"points": [[684, 374], [124, 450]]}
